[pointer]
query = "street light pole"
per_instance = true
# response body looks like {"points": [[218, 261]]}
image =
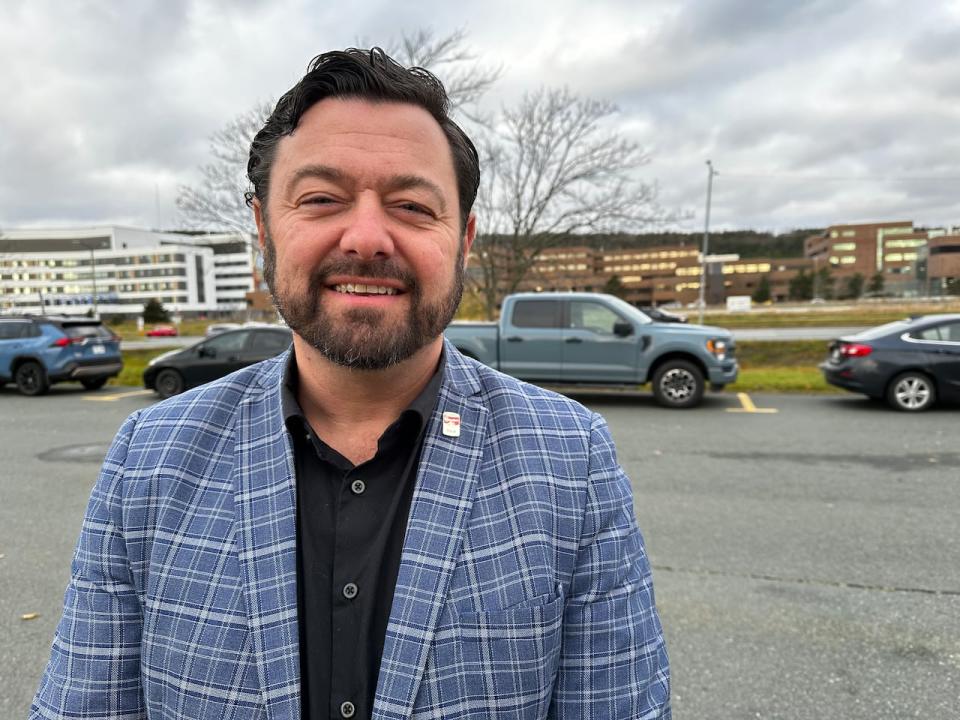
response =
{"points": [[706, 241]]}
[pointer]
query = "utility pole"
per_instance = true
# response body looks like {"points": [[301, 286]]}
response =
{"points": [[706, 241]]}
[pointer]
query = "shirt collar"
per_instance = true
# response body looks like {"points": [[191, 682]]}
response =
{"points": [[422, 406]]}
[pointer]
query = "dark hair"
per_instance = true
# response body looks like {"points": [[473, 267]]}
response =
{"points": [[372, 75]]}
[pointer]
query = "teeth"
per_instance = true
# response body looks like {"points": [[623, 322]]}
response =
{"points": [[361, 289]]}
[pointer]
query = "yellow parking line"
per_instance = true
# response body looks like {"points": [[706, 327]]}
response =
{"points": [[117, 396], [749, 407]]}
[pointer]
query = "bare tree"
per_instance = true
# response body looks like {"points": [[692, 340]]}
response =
{"points": [[465, 79], [553, 169], [217, 203]]}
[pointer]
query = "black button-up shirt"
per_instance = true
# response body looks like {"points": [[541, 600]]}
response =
{"points": [[351, 520]]}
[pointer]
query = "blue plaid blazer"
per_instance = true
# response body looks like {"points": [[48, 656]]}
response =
{"points": [[524, 590]]}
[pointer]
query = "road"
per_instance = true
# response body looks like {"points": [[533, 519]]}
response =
{"points": [[804, 548]]}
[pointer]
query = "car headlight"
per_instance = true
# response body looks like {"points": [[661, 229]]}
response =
{"points": [[718, 348]]}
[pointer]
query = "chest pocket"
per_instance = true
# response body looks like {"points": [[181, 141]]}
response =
{"points": [[495, 664]]}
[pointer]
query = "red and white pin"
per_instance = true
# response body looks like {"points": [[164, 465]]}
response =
{"points": [[451, 424]]}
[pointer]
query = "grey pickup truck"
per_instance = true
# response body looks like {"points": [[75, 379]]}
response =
{"points": [[594, 339]]}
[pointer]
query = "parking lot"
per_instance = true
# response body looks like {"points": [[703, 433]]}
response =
{"points": [[804, 548]]}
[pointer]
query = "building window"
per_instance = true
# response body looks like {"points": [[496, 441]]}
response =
{"points": [[844, 247]]}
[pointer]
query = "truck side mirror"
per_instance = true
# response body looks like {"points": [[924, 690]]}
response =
{"points": [[622, 329]]}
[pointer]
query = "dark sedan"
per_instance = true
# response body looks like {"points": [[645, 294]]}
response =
{"points": [[911, 363], [178, 370]]}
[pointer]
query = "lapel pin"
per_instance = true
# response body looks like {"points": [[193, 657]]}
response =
{"points": [[451, 424]]}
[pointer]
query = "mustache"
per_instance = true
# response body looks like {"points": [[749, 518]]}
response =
{"points": [[386, 268]]}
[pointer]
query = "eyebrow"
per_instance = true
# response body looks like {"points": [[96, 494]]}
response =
{"points": [[393, 184]]}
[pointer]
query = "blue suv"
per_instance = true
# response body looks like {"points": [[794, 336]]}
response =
{"points": [[36, 351]]}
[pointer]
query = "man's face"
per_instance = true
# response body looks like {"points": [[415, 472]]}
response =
{"points": [[361, 239]]}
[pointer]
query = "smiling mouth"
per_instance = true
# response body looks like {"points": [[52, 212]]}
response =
{"points": [[361, 289]]}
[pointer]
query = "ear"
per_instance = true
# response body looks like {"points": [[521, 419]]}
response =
{"points": [[260, 219], [469, 236]]}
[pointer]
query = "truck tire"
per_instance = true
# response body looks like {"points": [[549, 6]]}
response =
{"points": [[678, 384], [31, 378]]}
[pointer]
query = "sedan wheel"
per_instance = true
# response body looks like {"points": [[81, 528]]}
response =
{"points": [[911, 392], [678, 384], [169, 383]]}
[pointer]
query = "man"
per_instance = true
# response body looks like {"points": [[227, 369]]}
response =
{"points": [[370, 525]]}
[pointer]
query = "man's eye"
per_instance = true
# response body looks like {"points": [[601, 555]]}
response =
{"points": [[415, 208], [318, 200]]}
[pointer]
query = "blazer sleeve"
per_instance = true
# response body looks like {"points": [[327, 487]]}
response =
{"points": [[613, 661], [94, 667]]}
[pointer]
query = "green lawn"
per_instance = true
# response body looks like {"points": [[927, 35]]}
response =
{"points": [[787, 366]]}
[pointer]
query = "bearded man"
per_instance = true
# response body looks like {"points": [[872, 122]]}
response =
{"points": [[369, 525]]}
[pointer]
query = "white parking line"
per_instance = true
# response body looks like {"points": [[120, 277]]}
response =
{"points": [[747, 406], [117, 396]]}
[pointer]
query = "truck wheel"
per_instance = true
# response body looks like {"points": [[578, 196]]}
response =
{"points": [[678, 384], [31, 378]]}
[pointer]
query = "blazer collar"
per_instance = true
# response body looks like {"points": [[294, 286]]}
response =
{"points": [[439, 513], [266, 538], [265, 496]]}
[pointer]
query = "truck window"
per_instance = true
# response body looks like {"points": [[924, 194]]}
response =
{"points": [[536, 314], [593, 316]]}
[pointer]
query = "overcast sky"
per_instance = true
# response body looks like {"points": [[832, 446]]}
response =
{"points": [[814, 112]]}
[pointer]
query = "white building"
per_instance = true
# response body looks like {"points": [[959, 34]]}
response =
{"points": [[51, 270]]}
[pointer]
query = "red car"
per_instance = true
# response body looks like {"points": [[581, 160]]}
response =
{"points": [[162, 331]]}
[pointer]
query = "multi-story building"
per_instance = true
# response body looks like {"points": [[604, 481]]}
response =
{"points": [[942, 261], [118, 269], [891, 248], [659, 275]]}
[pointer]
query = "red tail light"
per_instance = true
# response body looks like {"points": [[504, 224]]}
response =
{"points": [[855, 350], [64, 341]]}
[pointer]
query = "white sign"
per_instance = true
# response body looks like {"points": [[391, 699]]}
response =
{"points": [[738, 303]]}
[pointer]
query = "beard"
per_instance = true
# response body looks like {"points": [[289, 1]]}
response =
{"points": [[363, 338]]}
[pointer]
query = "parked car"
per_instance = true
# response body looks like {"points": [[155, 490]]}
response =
{"points": [[217, 328], [212, 358], [595, 339], [162, 331], [911, 363], [37, 351], [661, 315]]}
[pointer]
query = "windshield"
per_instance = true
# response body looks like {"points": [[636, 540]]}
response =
{"points": [[629, 310]]}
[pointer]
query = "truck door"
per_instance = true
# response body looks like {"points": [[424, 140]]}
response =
{"points": [[592, 351], [531, 342]]}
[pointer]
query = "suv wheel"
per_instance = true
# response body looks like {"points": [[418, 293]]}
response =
{"points": [[678, 384], [93, 383], [911, 392], [168, 383], [31, 378]]}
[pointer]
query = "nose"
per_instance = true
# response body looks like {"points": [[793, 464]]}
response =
{"points": [[367, 235]]}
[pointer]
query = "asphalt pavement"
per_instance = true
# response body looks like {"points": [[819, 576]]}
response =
{"points": [[804, 548]]}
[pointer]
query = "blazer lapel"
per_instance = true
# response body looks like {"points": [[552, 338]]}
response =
{"points": [[441, 507], [265, 498]]}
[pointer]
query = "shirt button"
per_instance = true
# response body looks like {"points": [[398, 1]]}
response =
{"points": [[347, 709], [350, 592], [357, 487]]}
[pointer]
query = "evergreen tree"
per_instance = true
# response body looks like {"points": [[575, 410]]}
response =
{"points": [[875, 286], [762, 293], [801, 286], [153, 311], [614, 286]]}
